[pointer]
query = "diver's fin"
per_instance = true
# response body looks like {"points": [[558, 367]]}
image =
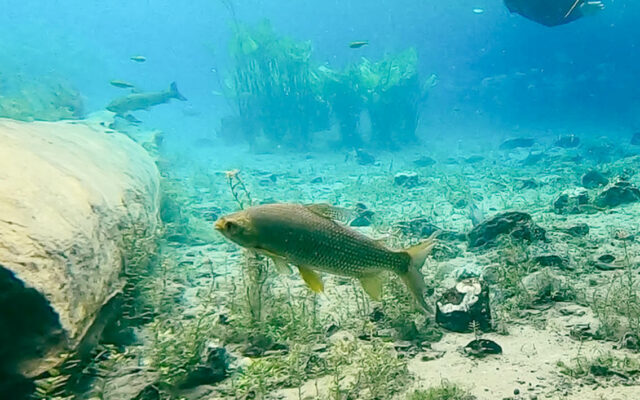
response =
{"points": [[413, 279], [330, 212], [175, 93], [312, 279], [372, 284]]}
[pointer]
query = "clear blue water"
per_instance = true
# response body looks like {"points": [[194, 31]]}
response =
{"points": [[577, 77]]}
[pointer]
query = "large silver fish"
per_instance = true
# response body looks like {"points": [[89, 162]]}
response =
{"points": [[142, 101], [309, 238]]}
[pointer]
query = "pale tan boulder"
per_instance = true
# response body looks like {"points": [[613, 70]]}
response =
{"points": [[73, 199]]}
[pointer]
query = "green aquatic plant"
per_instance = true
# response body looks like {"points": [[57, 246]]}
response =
{"points": [[341, 89], [617, 305], [366, 371], [266, 374], [274, 86], [52, 387], [394, 93], [281, 94], [603, 366], [513, 265], [446, 391]]}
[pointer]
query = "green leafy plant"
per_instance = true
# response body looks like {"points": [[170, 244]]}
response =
{"points": [[274, 86], [603, 366], [393, 93], [446, 391]]}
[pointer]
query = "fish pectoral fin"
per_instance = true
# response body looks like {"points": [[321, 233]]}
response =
{"points": [[330, 212], [372, 284], [282, 266], [312, 279]]}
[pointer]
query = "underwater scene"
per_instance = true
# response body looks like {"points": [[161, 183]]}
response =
{"points": [[319, 200]]}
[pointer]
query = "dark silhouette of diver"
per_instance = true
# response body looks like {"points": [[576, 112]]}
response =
{"points": [[554, 12]]}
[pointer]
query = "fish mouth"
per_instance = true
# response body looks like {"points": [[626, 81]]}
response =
{"points": [[219, 225]]}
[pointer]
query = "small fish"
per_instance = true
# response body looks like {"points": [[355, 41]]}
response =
{"points": [[358, 44], [121, 84], [478, 11], [309, 237], [142, 101], [139, 59]]}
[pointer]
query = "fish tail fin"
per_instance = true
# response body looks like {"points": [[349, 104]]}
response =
{"points": [[412, 278], [175, 93]]}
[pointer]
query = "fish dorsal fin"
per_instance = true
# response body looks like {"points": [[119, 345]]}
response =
{"points": [[330, 212], [313, 280], [372, 284]]}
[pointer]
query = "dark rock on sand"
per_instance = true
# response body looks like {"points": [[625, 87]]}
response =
{"points": [[545, 286], [465, 305], [424, 161], [607, 258], [364, 158], [621, 192], [518, 225], [568, 141], [213, 369], [578, 230], [571, 202], [317, 179], [551, 260], [406, 179], [515, 143], [364, 216], [593, 179], [480, 348]]}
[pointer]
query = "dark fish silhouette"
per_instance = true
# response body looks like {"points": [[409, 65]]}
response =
{"points": [[358, 44], [142, 101]]}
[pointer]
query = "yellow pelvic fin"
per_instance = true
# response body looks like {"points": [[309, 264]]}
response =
{"points": [[312, 278], [372, 284]]}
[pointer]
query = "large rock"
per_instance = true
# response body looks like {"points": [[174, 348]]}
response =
{"points": [[518, 225], [74, 200], [571, 201], [618, 193], [464, 306]]}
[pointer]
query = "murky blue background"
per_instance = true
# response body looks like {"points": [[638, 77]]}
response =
{"points": [[498, 72]]}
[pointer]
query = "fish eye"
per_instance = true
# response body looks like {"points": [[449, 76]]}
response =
{"points": [[231, 226]]}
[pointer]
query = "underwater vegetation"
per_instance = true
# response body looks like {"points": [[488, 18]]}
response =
{"points": [[43, 99], [274, 87], [283, 96]]}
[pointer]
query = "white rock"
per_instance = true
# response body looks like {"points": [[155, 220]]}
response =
{"points": [[71, 197]]}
